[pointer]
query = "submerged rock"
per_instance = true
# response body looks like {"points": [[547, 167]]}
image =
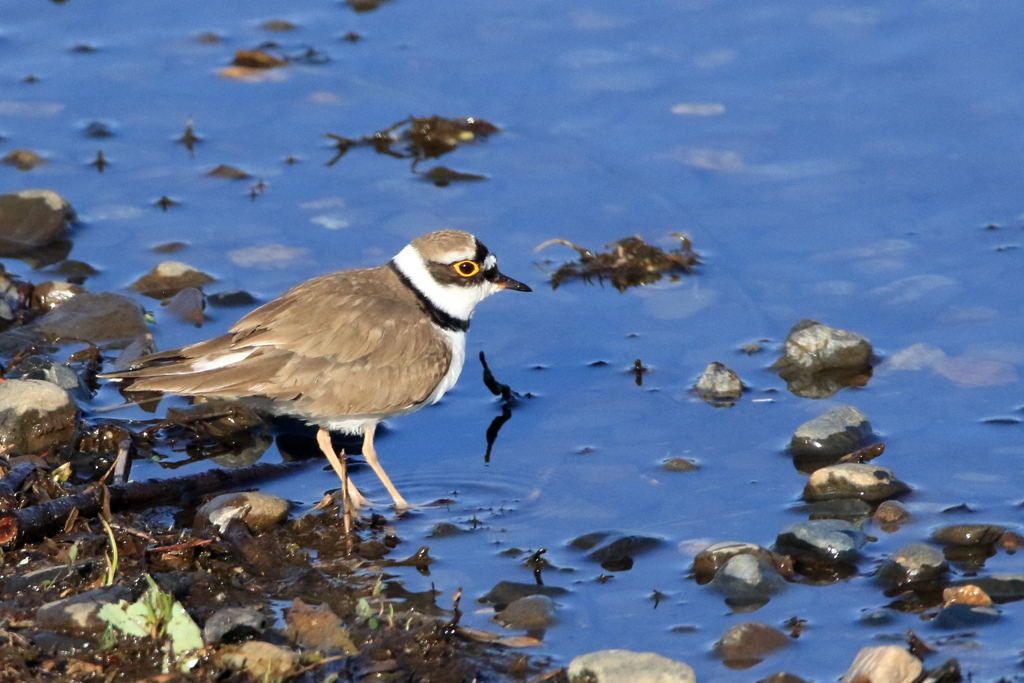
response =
{"points": [[106, 319], [853, 480], [890, 515], [913, 564], [719, 386], [506, 592], [968, 534], [623, 666], [1000, 587], [318, 628], [747, 577], [48, 295], [530, 612], [233, 625], [32, 219], [618, 555], [825, 539], [841, 430], [814, 347], [35, 416], [744, 645], [960, 616], [169, 278], [885, 664], [708, 561], [848, 509], [48, 370]]}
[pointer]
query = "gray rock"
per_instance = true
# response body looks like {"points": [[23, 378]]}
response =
{"points": [[30, 219], [446, 530], [744, 645], [853, 480], [109, 320], [35, 416], [231, 299], [958, 616], [49, 575], [747, 577], [623, 666], [233, 625], [58, 645], [827, 539], [505, 592], [968, 534], [848, 509], [719, 386], [885, 664], [531, 612], [815, 347], [708, 561], [77, 615], [841, 430], [48, 370], [259, 511], [913, 564], [187, 306], [169, 278]]}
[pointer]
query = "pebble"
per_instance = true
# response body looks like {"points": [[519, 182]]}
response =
{"points": [[719, 386], [506, 592], [966, 595], [679, 465], [748, 577], [708, 561], [107, 319], [187, 306], [263, 661], [77, 615], [968, 534], [233, 625], [913, 564], [835, 433], [618, 555], [884, 664], [849, 509], [35, 416], [827, 539], [891, 512], [46, 296], [744, 645], [533, 611], [814, 347], [853, 480], [169, 278], [624, 666], [43, 368], [23, 159], [265, 510], [31, 219], [318, 628]]}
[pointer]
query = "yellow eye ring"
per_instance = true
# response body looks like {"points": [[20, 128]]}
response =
{"points": [[466, 268]]}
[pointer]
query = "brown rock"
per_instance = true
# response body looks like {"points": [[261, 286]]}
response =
{"points": [[966, 595], [35, 416], [169, 278], [744, 645], [318, 628]]}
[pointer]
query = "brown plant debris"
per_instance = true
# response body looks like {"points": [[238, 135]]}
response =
{"points": [[629, 262], [420, 138]]}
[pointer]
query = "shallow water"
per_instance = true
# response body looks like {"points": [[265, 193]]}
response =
{"points": [[856, 156]]}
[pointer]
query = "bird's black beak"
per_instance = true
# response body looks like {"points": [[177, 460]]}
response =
{"points": [[506, 282]]}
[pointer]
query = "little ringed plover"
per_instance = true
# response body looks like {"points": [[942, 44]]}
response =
{"points": [[346, 350]]}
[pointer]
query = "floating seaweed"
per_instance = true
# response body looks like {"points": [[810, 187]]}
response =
{"points": [[630, 262], [422, 138]]}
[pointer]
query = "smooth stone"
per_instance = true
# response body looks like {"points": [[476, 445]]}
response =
{"points": [[233, 625], [744, 645], [231, 299], [169, 278], [719, 385], [679, 465], [828, 539], [624, 666], [959, 616], [913, 564], [533, 611], [589, 541], [48, 370], [618, 555], [848, 509], [708, 561], [445, 530], [77, 615], [835, 433], [1000, 587], [747, 576], [966, 595], [263, 661], [884, 664], [187, 306], [853, 480], [265, 510], [106, 319], [506, 592], [31, 219], [47, 296], [813, 346], [968, 534], [35, 416], [891, 512]]}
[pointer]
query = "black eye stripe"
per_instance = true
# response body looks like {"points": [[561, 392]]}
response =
{"points": [[481, 252]]}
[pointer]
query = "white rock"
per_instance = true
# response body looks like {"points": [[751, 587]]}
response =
{"points": [[623, 666]]}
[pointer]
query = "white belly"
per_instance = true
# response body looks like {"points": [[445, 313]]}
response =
{"points": [[457, 342]]}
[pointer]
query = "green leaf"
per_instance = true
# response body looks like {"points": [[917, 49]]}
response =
{"points": [[133, 624]]}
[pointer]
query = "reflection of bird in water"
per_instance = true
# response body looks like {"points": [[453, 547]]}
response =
{"points": [[346, 350]]}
